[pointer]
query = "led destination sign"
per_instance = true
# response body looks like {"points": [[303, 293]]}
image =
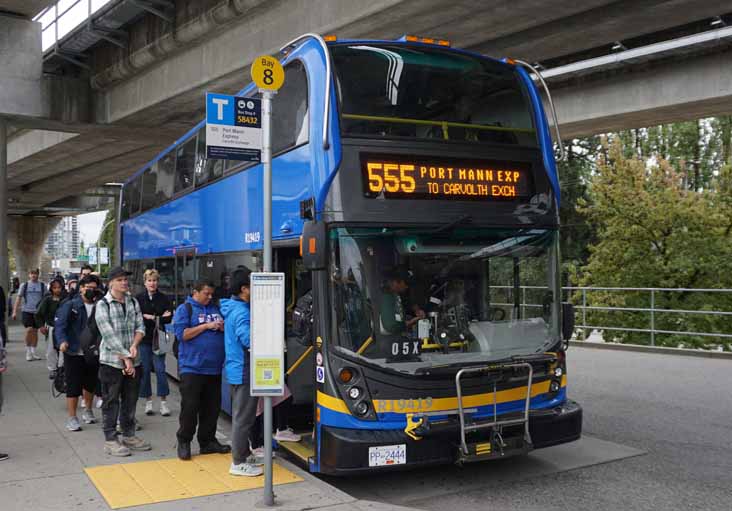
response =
{"points": [[442, 178]]}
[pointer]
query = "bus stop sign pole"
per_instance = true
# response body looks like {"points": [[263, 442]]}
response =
{"points": [[267, 161], [268, 75]]}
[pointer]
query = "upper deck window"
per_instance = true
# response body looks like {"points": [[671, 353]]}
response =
{"points": [[185, 165], [394, 91]]}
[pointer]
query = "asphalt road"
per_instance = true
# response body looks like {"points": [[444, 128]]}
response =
{"points": [[676, 409]]}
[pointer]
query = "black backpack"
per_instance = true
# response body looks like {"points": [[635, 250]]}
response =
{"points": [[90, 338], [176, 341], [302, 318]]}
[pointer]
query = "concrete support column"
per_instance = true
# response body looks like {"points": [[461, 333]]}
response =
{"points": [[27, 236], [4, 270]]}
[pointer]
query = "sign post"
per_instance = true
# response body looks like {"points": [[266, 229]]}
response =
{"points": [[268, 75]]}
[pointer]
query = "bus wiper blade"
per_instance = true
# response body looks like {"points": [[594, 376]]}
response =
{"points": [[465, 219]]}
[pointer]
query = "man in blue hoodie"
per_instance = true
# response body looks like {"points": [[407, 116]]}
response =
{"points": [[199, 327], [243, 406]]}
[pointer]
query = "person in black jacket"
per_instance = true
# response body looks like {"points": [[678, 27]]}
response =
{"points": [[157, 311], [3, 312]]}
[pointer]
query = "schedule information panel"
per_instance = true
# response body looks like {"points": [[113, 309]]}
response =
{"points": [[266, 359]]}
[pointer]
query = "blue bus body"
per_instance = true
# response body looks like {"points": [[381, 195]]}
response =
{"points": [[225, 217]]}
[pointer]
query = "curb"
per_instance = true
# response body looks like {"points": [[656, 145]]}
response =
{"points": [[724, 355]]}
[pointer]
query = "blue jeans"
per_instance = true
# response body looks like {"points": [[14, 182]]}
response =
{"points": [[151, 362]]}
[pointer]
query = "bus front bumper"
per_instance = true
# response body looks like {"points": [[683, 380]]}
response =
{"points": [[347, 451]]}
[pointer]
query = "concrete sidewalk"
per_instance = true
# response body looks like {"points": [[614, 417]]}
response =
{"points": [[46, 466]]}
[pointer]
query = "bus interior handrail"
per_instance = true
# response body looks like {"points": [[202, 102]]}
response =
{"points": [[328, 77], [427, 122]]}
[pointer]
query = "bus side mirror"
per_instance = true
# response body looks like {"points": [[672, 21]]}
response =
{"points": [[313, 245], [567, 321]]}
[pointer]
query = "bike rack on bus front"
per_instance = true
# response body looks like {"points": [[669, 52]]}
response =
{"points": [[495, 423]]}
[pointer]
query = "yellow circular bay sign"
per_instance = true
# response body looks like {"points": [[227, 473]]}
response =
{"points": [[267, 72]]}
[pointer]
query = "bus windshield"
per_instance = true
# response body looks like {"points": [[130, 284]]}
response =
{"points": [[395, 91], [413, 299]]}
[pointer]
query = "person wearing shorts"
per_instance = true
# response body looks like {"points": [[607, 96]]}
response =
{"points": [[30, 295], [81, 376]]}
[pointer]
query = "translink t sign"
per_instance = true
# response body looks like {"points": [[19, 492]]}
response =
{"points": [[233, 127]]}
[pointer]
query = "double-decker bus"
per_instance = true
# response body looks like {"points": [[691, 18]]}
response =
{"points": [[415, 207]]}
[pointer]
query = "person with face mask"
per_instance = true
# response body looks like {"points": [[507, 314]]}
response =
{"points": [[81, 377]]}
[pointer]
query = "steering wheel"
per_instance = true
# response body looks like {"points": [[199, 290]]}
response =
{"points": [[496, 314]]}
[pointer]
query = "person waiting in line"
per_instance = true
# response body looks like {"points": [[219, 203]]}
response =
{"points": [[199, 326], [392, 317], [122, 328], [243, 406], [156, 311], [224, 290], [3, 326], [85, 270], [3, 361], [14, 288], [45, 317], [72, 284], [81, 377], [30, 294]]}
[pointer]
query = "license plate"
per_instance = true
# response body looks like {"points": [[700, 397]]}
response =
{"points": [[387, 455]]}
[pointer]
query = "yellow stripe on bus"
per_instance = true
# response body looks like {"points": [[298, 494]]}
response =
{"points": [[440, 404]]}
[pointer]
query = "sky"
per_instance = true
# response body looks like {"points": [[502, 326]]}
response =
{"points": [[72, 14], [90, 225]]}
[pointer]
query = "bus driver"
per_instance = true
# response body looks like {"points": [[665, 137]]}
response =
{"points": [[392, 318]]}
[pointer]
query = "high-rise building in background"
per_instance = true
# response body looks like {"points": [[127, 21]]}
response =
{"points": [[63, 242]]}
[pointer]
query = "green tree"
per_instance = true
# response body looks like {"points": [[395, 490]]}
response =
{"points": [[107, 237], [574, 175], [653, 231]]}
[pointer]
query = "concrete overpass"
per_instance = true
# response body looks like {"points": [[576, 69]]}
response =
{"points": [[119, 90]]}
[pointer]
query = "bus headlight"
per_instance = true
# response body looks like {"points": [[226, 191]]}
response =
{"points": [[558, 372], [554, 386], [361, 408], [354, 393]]}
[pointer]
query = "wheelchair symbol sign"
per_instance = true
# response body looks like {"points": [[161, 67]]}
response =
{"points": [[320, 374]]}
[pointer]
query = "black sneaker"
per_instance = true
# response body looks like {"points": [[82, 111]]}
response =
{"points": [[184, 450], [215, 447], [3, 456]]}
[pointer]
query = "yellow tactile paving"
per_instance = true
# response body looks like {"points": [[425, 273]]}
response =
{"points": [[148, 482]]}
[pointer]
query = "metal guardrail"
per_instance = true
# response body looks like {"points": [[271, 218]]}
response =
{"points": [[653, 311]]}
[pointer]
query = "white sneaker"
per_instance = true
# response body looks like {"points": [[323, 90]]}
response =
{"points": [[245, 469], [258, 452], [164, 410], [35, 356], [87, 415], [255, 460], [149, 408], [72, 424], [98, 402], [287, 435], [28, 356]]}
